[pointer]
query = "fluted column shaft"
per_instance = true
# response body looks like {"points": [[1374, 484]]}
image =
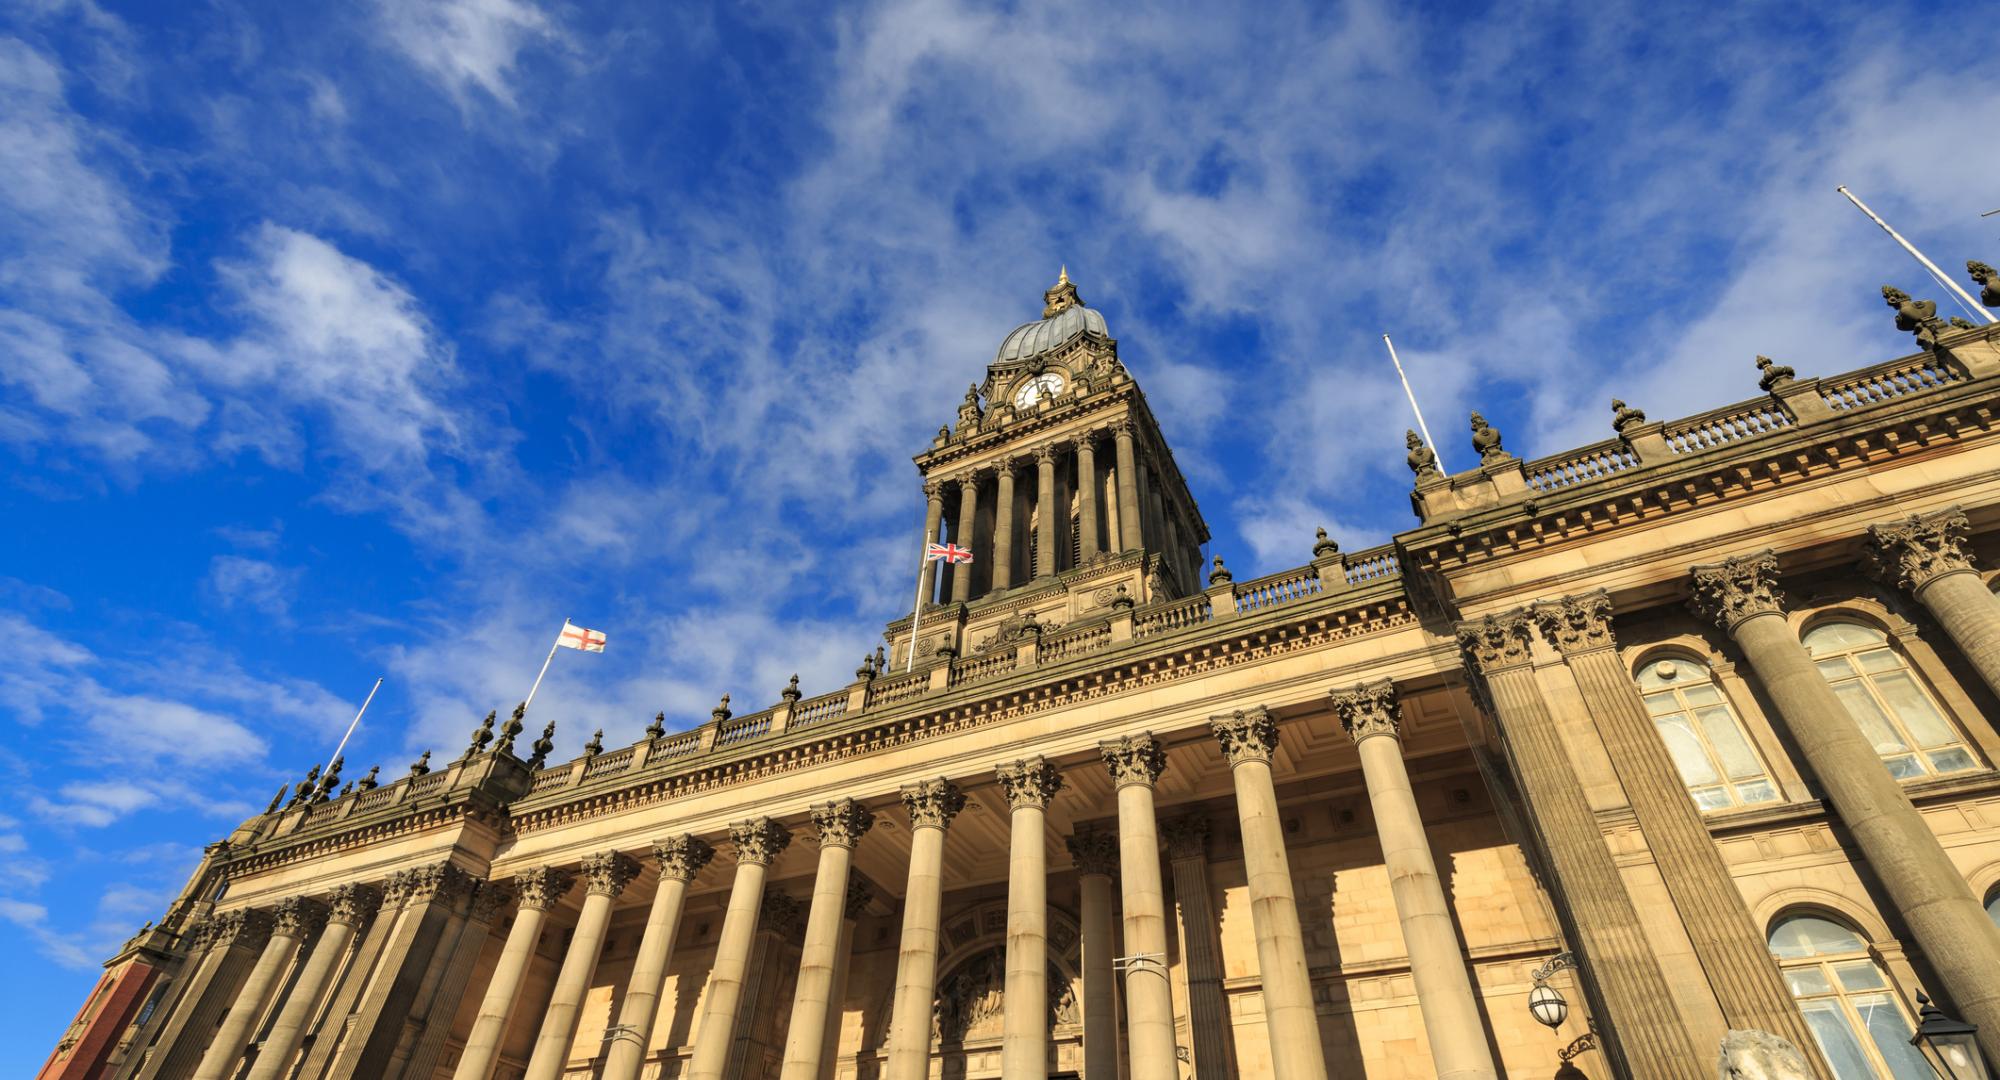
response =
{"points": [[680, 858], [1024, 1047], [234, 940], [1136, 761], [1045, 512], [1927, 555], [932, 804], [1087, 486], [840, 824], [1201, 953], [1445, 995], [1096, 856], [485, 903], [1946, 919], [225, 1050], [1003, 529], [968, 528], [605, 876], [858, 895], [1130, 537], [1291, 1021], [757, 842], [351, 907], [933, 519], [539, 890]]}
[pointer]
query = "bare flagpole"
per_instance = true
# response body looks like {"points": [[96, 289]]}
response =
{"points": [[917, 612], [1421, 426], [356, 722], [1964, 298], [545, 669]]}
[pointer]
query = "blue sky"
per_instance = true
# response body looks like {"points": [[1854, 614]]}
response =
{"points": [[378, 340]]}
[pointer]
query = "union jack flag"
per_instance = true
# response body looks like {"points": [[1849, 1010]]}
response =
{"points": [[950, 553]]}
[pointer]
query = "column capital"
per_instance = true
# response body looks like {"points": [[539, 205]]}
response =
{"points": [[487, 902], [1576, 624], [1736, 589], [1123, 428], [1095, 852], [778, 913], [934, 490], [297, 917], [841, 822], [1246, 735], [608, 872], [543, 887], [759, 840], [682, 857], [1029, 783], [1496, 642], [1917, 550], [1186, 836], [421, 885], [244, 926], [353, 904], [1134, 759], [859, 893], [1369, 709], [932, 803], [1045, 454]]}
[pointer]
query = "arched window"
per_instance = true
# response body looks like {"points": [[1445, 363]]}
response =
{"points": [[1896, 713], [1846, 1000], [1716, 761]]}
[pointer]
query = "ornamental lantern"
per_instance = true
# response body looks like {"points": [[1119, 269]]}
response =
{"points": [[1548, 1005], [1953, 1042]]}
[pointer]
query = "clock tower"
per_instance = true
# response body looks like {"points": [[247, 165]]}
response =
{"points": [[1056, 478]]}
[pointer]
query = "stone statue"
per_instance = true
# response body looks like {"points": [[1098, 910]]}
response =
{"points": [[331, 778], [1624, 416], [1760, 1055], [1989, 282], [1920, 317], [1423, 460], [1960, 323], [1486, 440], [1772, 375]]}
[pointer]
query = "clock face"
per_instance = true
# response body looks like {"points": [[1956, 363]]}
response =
{"points": [[1035, 389]]}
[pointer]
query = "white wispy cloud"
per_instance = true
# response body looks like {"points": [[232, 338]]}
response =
{"points": [[468, 45]]}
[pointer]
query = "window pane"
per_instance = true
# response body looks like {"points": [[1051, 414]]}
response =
{"points": [[1702, 694], [1841, 636], [1836, 669], [1807, 981], [1868, 716], [1710, 798], [1879, 660], [1914, 709], [1858, 975], [1689, 756], [1904, 767], [1726, 739], [1756, 791], [1662, 703], [1891, 1032], [1801, 936], [1836, 1040], [1951, 760]]}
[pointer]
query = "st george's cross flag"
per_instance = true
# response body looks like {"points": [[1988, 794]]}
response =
{"points": [[950, 553], [576, 637]]}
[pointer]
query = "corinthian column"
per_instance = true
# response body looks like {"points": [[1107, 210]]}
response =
{"points": [[1946, 919], [1087, 487], [933, 517], [1096, 858], [1135, 762], [1925, 555], [1201, 953], [1620, 972], [968, 536], [681, 858], [932, 805], [349, 908], [859, 893], [230, 942], [1437, 961], [758, 841], [1024, 1047], [1129, 536], [605, 875], [1003, 529], [1046, 533], [840, 824], [1290, 1018], [1731, 948], [293, 921], [539, 890]]}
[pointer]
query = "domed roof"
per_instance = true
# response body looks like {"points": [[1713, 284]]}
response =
{"points": [[1064, 318]]}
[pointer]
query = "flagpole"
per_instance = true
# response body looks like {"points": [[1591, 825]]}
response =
{"points": [[1421, 426], [917, 611], [353, 724], [1964, 298], [545, 670]]}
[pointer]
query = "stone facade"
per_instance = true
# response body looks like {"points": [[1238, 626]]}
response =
{"points": [[1610, 721]]}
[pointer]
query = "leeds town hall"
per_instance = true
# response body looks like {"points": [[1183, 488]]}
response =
{"points": [[1616, 762]]}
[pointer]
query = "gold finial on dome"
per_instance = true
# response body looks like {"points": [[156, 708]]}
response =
{"points": [[1061, 295]]}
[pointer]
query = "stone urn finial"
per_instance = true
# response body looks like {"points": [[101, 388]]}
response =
{"points": [[1624, 416], [422, 765], [1323, 545], [1422, 460], [1772, 376], [658, 727], [1486, 441], [1220, 575], [1988, 280], [721, 712], [791, 691]]}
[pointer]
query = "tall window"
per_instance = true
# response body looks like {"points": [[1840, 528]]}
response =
{"points": [[1715, 760], [1894, 712], [1846, 1000]]}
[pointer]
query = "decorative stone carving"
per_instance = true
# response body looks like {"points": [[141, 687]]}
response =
{"points": [[353, 904], [1045, 454], [1917, 550], [539, 751], [608, 872], [1772, 376], [1324, 545], [1186, 836], [488, 900], [1496, 642], [1486, 442], [298, 917], [1575, 624], [482, 734], [758, 841], [791, 691], [1989, 282], [969, 414], [369, 783], [443, 882], [1422, 460], [1122, 601], [1134, 759], [1220, 574], [1624, 416], [682, 857], [1919, 317], [305, 788], [1029, 783], [516, 723], [859, 895], [1760, 1055], [779, 914], [1736, 589], [596, 744], [543, 887], [1094, 851], [841, 822], [421, 766], [972, 999], [932, 804], [1369, 709], [658, 727], [246, 927], [721, 711], [1060, 297], [1246, 735], [326, 782]]}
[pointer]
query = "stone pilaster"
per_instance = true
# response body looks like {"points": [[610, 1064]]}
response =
{"points": [[230, 943], [1029, 785], [758, 842], [293, 921], [1620, 973], [1135, 763], [1096, 857], [681, 858], [841, 824], [1201, 951], [932, 804], [933, 518], [429, 895], [538, 890], [428, 1049], [605, 876], [1925, 555]]}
